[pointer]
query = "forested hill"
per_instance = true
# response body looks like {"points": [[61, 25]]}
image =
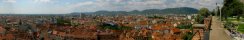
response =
{"points": [[180, 10]]}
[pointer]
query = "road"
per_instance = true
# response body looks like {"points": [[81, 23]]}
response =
{"points": [[217, 32]]}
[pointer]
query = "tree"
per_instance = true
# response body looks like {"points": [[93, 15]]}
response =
{"points": [[233, 8], [188, 36], [239, 9], [63, 22], [204, 12], [199, 19], [184, 26], [213, 13]]}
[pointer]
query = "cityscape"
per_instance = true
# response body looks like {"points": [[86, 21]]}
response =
{"points": [[121, 19]]}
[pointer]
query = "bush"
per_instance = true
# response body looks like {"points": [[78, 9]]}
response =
{"points": [[188, 36], [199, 19], [184, 26], [229, 25], [63, 22]]}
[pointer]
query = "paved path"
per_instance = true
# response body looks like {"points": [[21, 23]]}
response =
{"points": [[217, 32]]}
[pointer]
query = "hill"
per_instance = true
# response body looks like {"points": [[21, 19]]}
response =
{"points": [[180, 10]]}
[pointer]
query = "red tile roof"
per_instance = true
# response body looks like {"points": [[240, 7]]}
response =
{"points": [[175, 30]]}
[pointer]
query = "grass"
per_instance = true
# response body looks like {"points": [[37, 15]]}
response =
{"points": [[241, 28], [231, 19], [234, 20]]}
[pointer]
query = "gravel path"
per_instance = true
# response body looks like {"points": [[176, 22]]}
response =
{"points": [[218, 31]]}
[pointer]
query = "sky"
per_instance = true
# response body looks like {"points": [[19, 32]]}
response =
{"points": [[69, 6]]}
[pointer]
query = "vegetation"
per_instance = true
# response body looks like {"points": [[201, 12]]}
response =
{"points": [[241, 28], [229, 25], [233, 23], [187, 26], [233, 8], [213, 13], [63, 22], [149, 38], [188, 36], [199, 19], [75, 24], [204, 12], [180, 10], [156, 17], [114, 27]]}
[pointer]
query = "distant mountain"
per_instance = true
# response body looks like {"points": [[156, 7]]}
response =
{"points": [[180, 10]]}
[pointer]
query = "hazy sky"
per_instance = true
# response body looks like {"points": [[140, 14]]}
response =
{"points": [[67, 6]]}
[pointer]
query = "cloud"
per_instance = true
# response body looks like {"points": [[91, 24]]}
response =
{"points": [[82, 4], [5, 10], [53, 10], [42, 1], [9, 1], [61, 6], [129, 5]]}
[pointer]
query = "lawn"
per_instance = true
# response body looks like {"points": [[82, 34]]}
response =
{"points": [[234, 20], [241, 28]]}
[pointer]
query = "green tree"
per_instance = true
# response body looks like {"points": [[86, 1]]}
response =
{"points": [[199, 19], [188, 36], [184, 26], [239, 9], [63, 22], [233, 8], [213, 13], [204, 12]]}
